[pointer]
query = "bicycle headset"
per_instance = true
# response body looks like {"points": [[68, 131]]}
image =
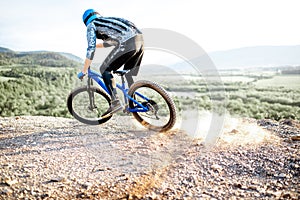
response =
{"points": [[89, 15]]}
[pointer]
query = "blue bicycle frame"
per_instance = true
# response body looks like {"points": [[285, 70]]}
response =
{"points": [[139, 108]]}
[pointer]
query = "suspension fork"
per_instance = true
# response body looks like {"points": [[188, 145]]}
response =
{"points": [[123, 87], [91, 93]]}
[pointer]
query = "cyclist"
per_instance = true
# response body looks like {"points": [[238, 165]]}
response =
{"points": [[128, 50]]}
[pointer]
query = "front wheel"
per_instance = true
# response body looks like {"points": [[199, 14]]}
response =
{"points": [[161, 114], [87, 105]]}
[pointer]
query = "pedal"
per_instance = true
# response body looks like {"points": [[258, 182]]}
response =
{"points": [[126, 111]]}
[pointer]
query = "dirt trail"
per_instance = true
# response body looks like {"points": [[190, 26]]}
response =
{"points": [[49, 158]]}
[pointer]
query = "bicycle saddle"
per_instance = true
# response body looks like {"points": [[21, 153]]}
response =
{"points": [[121, 72]]}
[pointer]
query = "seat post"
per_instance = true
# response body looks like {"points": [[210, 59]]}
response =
{"points": [[123, 81], [122, 73]]}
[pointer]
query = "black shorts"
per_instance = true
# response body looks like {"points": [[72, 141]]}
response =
{"points": [[129, 54]]}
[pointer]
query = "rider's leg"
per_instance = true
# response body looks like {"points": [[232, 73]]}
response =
{"points": [[110, 84], [117, 57], [133, 64], [113, 66]]}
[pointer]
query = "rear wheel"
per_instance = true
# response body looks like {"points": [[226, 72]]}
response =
{"points": [[81, 109], [161, 114]]}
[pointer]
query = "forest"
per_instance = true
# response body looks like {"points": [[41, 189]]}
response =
{"points": [[35, 83]]}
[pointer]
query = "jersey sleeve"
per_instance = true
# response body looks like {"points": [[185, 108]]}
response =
{"points": [[91, 39]]}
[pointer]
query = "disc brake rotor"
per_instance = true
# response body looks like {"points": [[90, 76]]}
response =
{"points": [[153, 108]]}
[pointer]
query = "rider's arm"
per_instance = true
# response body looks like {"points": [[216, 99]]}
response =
{"points": [[87, 63], [105, 44], [91, 39], [100, 45]]}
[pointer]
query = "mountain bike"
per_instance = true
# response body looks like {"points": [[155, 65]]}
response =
{"points": [[149, 103]]}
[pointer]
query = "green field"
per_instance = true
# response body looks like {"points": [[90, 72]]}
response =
{"points": [[2, 78], [286, 81], [252, 95]]}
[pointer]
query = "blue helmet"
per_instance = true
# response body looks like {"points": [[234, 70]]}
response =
{"points": [[89, 15]]}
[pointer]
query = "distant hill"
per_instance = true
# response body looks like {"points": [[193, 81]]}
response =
{"points": [[277, 58], [259, 56], [71, 57], [2, 49], [43, 58]]}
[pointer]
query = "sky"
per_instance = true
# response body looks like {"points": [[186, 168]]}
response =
{"points": [[215, 25]]}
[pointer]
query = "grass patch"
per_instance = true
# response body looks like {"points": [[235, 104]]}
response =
{"points": [[285, 81]]}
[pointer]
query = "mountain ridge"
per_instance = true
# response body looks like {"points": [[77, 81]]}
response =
{"points": [[43, 58], [3, 49], [257, 56], [238, 58]]}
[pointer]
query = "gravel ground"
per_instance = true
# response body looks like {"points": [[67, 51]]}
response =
{"points": [[57, 158]]}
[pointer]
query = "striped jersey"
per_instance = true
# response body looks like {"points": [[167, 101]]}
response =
{"points": [[112, 30]]}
